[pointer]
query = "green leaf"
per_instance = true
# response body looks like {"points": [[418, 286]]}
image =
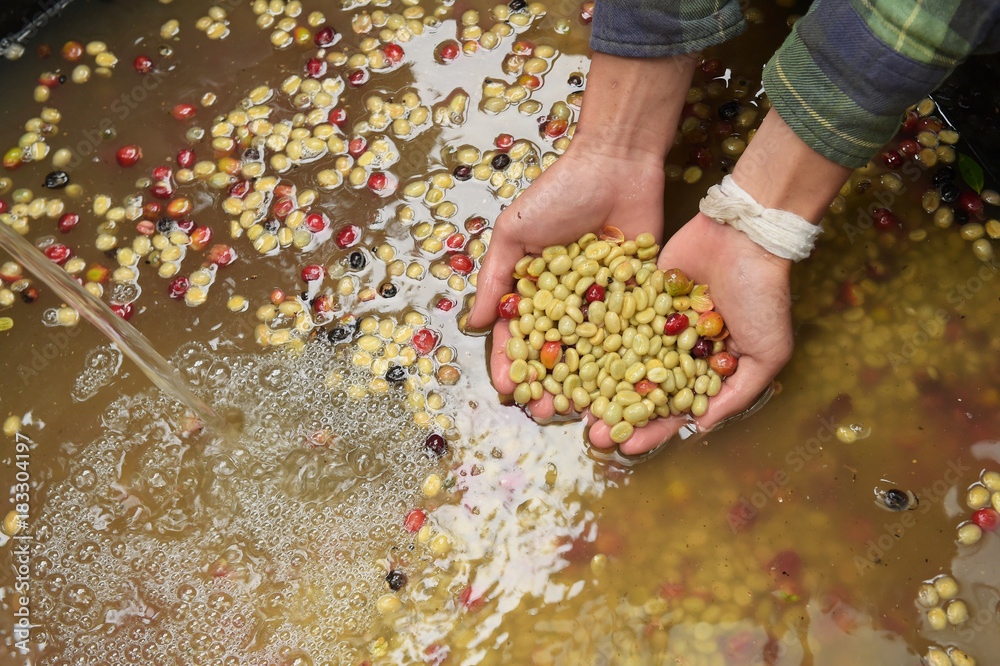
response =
{"points": [[971, 172]]}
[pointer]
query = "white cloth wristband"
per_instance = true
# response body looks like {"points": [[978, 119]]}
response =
{"points": [[781, 233]]}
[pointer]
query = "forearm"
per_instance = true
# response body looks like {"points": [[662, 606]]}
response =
{"points": [[780, 171], [632, 105]]}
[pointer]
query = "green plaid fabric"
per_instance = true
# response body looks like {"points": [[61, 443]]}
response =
{"points": [[657, 28], [846, 73]]}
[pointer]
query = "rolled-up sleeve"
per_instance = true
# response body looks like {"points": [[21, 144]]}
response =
{"points": [[657, 28], [849, 70]]}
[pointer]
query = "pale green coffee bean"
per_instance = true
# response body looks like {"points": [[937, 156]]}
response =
{"points": [[657, 374], [561, 293], [664, 411], [542, 298], [658, 397], [574, 312], [522, 394], [612, 413], [714, 385], [957, 612], [628, 307], [514, 326], [552, 251], [635, 413], [556, 309], [700, 367], [516, 349], [567, 326], [547, 281], [552, 386], [701, 384], [680, 379], [597, 250], [560, 403], [598, 405], [959, 658], [552, 335], [536, 339], [526, 288], [581, 398], [669, 385], [588, 268], [655, 345], [937, 657], [641, 300], [626, 397], [588, 371], [584, 346], [635, 372], [543, 324], [658, 324], [614, 301], [621, 431], [572, 359], [682, 400], [560, 265], [612, 323], [628, 336], [537, 391], [617, 368], [537, 369], [521, 267], [526, 324], [586, 330], [582, 285], [597, 312], [536, 267], [645, 239], [645, 316], [641, 345], [570, 280], [623, 272], [525, 306], [518, 371], [608, 387], [570, 384], [687, 365], [671, 359], [560, 372], [687, 339], [699, 405], [612, 343]]}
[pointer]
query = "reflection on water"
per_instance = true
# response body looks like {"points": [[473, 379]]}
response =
{"points": [[330, 532]]}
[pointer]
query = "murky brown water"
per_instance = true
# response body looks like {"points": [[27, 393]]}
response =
{"points": [[766, 542]]}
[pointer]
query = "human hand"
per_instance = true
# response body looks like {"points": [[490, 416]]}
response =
{"points": [[750, 288], [582, 192]]}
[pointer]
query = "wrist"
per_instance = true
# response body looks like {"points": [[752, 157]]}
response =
{"points": [[632, 106], [781, 171]]}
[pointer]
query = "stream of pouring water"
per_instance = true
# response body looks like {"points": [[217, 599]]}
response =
{"points": [[131, 342]]}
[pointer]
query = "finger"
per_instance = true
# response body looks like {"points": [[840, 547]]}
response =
{"points": [[739, 391], [646, 438], [542, 409], [496, 278], [499, 363]]}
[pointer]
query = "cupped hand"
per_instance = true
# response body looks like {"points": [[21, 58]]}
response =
{"points": [[750, 288], [583, 191]]}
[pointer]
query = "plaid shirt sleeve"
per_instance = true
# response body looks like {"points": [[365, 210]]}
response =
{"points": [[849, 69], [656, 28]]}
